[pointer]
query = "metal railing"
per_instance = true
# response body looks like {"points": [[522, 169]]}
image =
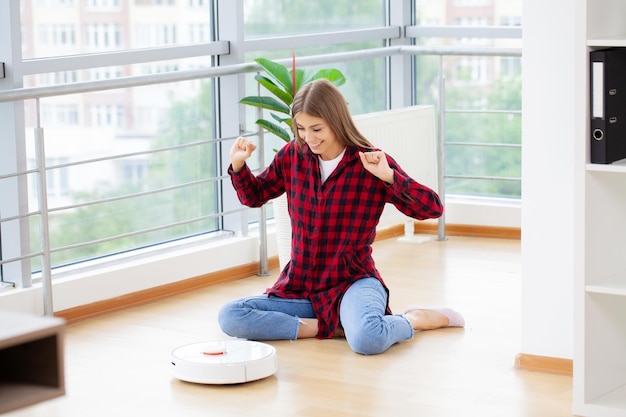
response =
{"points": [[41, 170]]}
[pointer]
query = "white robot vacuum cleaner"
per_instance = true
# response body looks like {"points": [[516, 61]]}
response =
{"points": [[223, 362]]}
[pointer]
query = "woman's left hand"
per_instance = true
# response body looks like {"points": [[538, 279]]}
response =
{"points": [[376, 163]]}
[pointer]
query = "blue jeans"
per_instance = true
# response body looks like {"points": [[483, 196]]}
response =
{"points": [[362, 314]]}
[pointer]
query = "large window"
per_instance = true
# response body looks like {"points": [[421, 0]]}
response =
{"points": [[130, 168], [69, 27], [126, 168], [482, 93], [137, 170]]}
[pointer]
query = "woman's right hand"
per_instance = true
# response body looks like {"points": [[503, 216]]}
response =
{"points": [[240, 151]]}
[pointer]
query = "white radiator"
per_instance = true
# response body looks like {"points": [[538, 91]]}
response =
{"points": [[408, 135]]}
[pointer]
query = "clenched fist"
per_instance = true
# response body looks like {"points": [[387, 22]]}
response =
{"points": [[376, 163], [240, 151]]}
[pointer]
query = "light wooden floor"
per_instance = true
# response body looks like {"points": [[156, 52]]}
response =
{"points": [[117, 364]]}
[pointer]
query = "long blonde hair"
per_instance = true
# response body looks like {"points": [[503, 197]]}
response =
{"points": [[320, 98]]}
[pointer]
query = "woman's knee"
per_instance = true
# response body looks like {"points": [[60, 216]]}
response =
{"points": [[369, 340], [229, 316]]}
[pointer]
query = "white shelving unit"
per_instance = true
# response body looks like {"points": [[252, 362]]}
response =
{"points": [[600, 306]]}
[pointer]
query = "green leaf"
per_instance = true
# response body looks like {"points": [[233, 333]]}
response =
{"points": [[287, 120], [265, 102], [281, 119], [333, 75], [282, 95], [275, 129], [277, 71]]}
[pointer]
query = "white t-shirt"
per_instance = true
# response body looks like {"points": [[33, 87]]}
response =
{"points": [[327, 167]]}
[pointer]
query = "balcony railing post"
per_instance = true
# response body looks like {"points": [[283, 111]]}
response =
{"points": [[263, 264], [46, 270], [441, 164]]}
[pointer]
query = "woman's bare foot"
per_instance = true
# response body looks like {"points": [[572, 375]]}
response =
{"points": [[433, 318]]}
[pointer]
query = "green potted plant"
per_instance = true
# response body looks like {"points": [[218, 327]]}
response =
{"points": [[284, 83]]}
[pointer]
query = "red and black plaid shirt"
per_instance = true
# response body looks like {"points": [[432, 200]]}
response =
{"points": [[333, 223]]}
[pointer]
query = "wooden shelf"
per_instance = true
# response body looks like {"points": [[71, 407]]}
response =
{"points": [[31, 365]]}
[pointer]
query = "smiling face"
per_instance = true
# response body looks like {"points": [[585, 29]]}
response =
{"points": [[318, 136]]}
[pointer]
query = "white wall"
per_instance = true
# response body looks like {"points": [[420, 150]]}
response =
{"points": [[483, 212], [548, 178]]}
